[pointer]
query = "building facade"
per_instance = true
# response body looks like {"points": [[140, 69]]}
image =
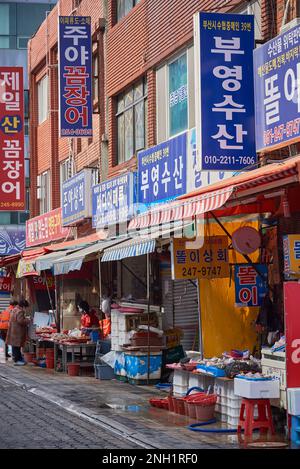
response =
{"points": [[143, 84]]}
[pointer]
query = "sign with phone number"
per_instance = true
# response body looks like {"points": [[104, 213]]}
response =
{"points": [[209, 261]]}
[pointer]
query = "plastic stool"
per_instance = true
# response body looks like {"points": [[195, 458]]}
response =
{"points": [[263, 422]]}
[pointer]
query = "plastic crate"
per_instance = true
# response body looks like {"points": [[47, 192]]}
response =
{"points": [[103, 346], [104, 372], [181, 378]]}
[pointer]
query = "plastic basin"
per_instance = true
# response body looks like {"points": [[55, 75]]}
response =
{"points": [[179, 405], [29, 357], [49, 362]]}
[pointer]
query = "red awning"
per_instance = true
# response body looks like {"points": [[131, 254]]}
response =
{"points": [[10, 260], [215, 196]]}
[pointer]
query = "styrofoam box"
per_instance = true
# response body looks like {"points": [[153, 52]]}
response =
{"points": [[181, 378], [180, 390], [196, 380], [276, 359], [257, 389], [293, 397]]}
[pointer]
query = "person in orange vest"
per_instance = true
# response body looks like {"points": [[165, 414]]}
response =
{"points": [[4, 322]]}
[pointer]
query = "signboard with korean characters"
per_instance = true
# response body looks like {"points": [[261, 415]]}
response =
{"points": [[76, 197], [291, 295], [113, 201], [75, 76], [250, 287], [210, 261], [225, 124], [12, 170], [45, 228], [162, 171], [5, 284], [277, 92], [291, 254]]}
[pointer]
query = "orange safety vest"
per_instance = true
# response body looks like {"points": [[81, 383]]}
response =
{"points": [[105, 326], [4, 319]]}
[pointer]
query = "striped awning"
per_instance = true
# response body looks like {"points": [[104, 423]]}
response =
{"points": [[73, 260], [130, 248], [46, 262], [182, 210]]}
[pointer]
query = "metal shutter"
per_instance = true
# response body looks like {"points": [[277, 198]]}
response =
{"points": [[186, 312], [4, 301]]}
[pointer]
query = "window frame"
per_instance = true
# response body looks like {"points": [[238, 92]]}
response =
{"points": [[45, 187], [134, 3], [95, 82], [126, 108], [43, 94], [174, 59]]}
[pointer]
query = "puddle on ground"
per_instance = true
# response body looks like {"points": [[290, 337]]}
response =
{"points": [[129, 408]]}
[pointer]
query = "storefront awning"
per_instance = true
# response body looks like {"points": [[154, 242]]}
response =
{"points": [[74, 260], [180, 210], [46, 262], [130, 248]]}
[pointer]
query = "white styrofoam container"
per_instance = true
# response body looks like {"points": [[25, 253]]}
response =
{"points": [[293, 398], [181, 378], [257, 389], [180, 390], [232, 421], [276, 359], [196, 380]]}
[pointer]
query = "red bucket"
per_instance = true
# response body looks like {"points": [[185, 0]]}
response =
{"points": [[73, 369], [179, 405], [171, 404], [49, 352], [49, 362]]}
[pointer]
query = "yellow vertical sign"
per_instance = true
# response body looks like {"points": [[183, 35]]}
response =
{"points": [[210, 261]]}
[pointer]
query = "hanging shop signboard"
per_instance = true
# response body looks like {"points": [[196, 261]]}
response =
{"points": [[26, 268], [250, 287], [5, 284], [210, 261], [45, 228], [277, 93], [46, 282], [12, 163], [291, 253], [75, 76], [225, 124], [291, 293], [113, 201], [12, 239], [162, 171], [76, 197]]}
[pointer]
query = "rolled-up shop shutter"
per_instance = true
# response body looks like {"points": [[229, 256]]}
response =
{"points": [[186, 312]]}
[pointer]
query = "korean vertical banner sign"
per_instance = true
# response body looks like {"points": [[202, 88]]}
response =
{"points": [[75, 76], [277, 91], [250, 287], [12, 173], [225, 123]]}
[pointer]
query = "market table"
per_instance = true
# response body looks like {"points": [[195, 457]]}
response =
{"points": [[70, 347]]}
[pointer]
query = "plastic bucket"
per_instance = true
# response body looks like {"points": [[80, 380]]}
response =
{"points": [[204, 412], [179, 405], [29, 357], [73, 369], [49, 362], [171, 404], [49, 352]]}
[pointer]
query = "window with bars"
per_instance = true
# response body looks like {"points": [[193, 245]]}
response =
{"points": [[124, 7], [66, 171], [131, 116]]}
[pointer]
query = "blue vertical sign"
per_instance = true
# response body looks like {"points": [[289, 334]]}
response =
{"points": [[162, 171], [277, 91], [113, 201], [225, 120], [76, 197], [250, 287], [75, 76]]}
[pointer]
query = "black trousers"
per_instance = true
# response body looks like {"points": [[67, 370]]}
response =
{"points": [[16, 353], [3, 334]]}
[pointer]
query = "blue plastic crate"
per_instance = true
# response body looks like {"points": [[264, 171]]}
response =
{"points": [[104, 372], [103, 347]]}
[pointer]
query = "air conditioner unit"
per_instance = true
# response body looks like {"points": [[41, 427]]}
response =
{"points": [[291, 24]]}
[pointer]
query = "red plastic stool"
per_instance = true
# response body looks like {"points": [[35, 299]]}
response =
{"points": [[263, 422]]}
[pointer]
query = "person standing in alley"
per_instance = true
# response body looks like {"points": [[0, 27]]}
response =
{"points": [[17, 331], [4, 322]]}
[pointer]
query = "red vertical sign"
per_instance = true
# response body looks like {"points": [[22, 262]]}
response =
{"points": [[12, 171], [292, 333]]}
